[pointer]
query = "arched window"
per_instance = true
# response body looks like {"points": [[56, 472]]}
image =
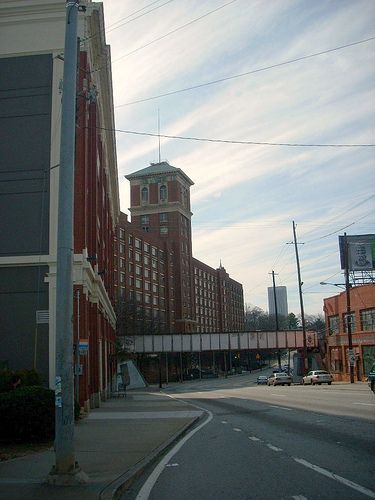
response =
{"points": [[144, 195], [163, 193]]}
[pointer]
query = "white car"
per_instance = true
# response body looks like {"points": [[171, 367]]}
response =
{"points": [[317, 377]]}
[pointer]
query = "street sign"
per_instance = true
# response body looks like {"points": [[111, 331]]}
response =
{"points": [[83, 347], [351, 357]]}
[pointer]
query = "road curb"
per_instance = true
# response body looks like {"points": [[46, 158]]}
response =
{"points": [[117, 487]]}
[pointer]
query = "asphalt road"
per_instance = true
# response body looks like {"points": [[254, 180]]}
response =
{"points": [[262, 442]]}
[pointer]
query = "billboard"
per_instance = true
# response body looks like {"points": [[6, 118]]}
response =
{"points": [[361, 252]]}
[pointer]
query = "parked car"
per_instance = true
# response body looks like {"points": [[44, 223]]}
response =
{"points": [[279, 379], [262, 379], [317, 377], [371, 378]]}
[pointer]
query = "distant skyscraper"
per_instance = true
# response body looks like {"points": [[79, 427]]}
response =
{"points": [[281, 300]]}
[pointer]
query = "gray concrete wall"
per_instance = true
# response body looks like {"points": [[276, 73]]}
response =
{"points": [[25, 125], [22, 293]]}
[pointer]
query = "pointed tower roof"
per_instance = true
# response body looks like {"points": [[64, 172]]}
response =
{"points": [[158, 168]]}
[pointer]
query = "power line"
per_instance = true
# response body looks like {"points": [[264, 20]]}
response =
{"points": [[227, 141], [258, 70], [127, 22], [350, 209], [173, 31], [341, 228]]}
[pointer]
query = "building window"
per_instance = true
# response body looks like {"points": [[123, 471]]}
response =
{"points": [[163, 193], [155, 288], [146, 273], [148, 299], [368, 319], [163, 230], [138, 297], [138, 270], [147, 285], [154, 251], [146, 260], [154, 263], [122, 248], [163, 217], [137, 257], [145, 220], [131, 281], [146, 247], [155, 301], [122, 233], [130, 240], [122, 277], [122, 262], [138, 244], [351, 318], [144, 195], [130, 267]]}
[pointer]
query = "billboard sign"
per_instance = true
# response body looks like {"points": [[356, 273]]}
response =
{"points": [[361, 252]]}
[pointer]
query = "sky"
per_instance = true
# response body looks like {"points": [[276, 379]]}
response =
{"points": [[245, 196]]}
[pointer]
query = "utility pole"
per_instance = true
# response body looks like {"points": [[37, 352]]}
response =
{"points": [[305, 360], [66, 470], [348, 311], [277, 318]]}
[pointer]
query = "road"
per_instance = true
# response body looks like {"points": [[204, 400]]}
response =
{"points": [[262, 442]]}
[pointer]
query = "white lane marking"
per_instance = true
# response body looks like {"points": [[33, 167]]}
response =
{"points": [[236, 429], [299, 497], [336, 477], [364, 404], [253, 438], [281, 407], [280, 395], [274, 448], [145, 491], [172, 465], [224, 422]]}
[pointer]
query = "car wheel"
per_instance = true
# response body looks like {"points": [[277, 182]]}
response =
{"points": [[373, 386], [303, 382], [289, 385], [312, 383], [319, 383], [329, 383]]}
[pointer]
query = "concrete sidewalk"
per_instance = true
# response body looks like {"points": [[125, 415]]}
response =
{"points": [[112, 444]]}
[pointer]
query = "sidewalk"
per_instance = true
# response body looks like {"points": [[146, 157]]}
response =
{"points": [[112, 444]]}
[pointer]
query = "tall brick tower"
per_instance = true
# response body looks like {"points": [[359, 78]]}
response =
{"points": [[160, 205]]}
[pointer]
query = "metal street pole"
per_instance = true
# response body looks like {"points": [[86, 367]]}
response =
{"points": [[348, 312], [66, 471], [305, 361]]}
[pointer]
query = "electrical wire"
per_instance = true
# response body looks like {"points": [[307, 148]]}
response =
{"points": [[249, 143], [98, 33], [172, 32], [246, 73]]}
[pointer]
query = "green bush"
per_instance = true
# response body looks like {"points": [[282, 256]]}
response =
{"points": [[27, 414], [27, 377]]}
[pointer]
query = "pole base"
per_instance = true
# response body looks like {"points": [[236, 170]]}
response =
{"points": [[71, 478]]}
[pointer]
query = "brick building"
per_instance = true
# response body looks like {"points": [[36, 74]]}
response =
{"points": [[31, 72], [165, 289], [362, 318]]}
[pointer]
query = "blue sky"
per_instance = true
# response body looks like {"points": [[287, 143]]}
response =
{"points": [[245, 197]]}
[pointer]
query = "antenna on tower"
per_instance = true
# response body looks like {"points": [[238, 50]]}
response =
{"points": [[159, 133]]}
